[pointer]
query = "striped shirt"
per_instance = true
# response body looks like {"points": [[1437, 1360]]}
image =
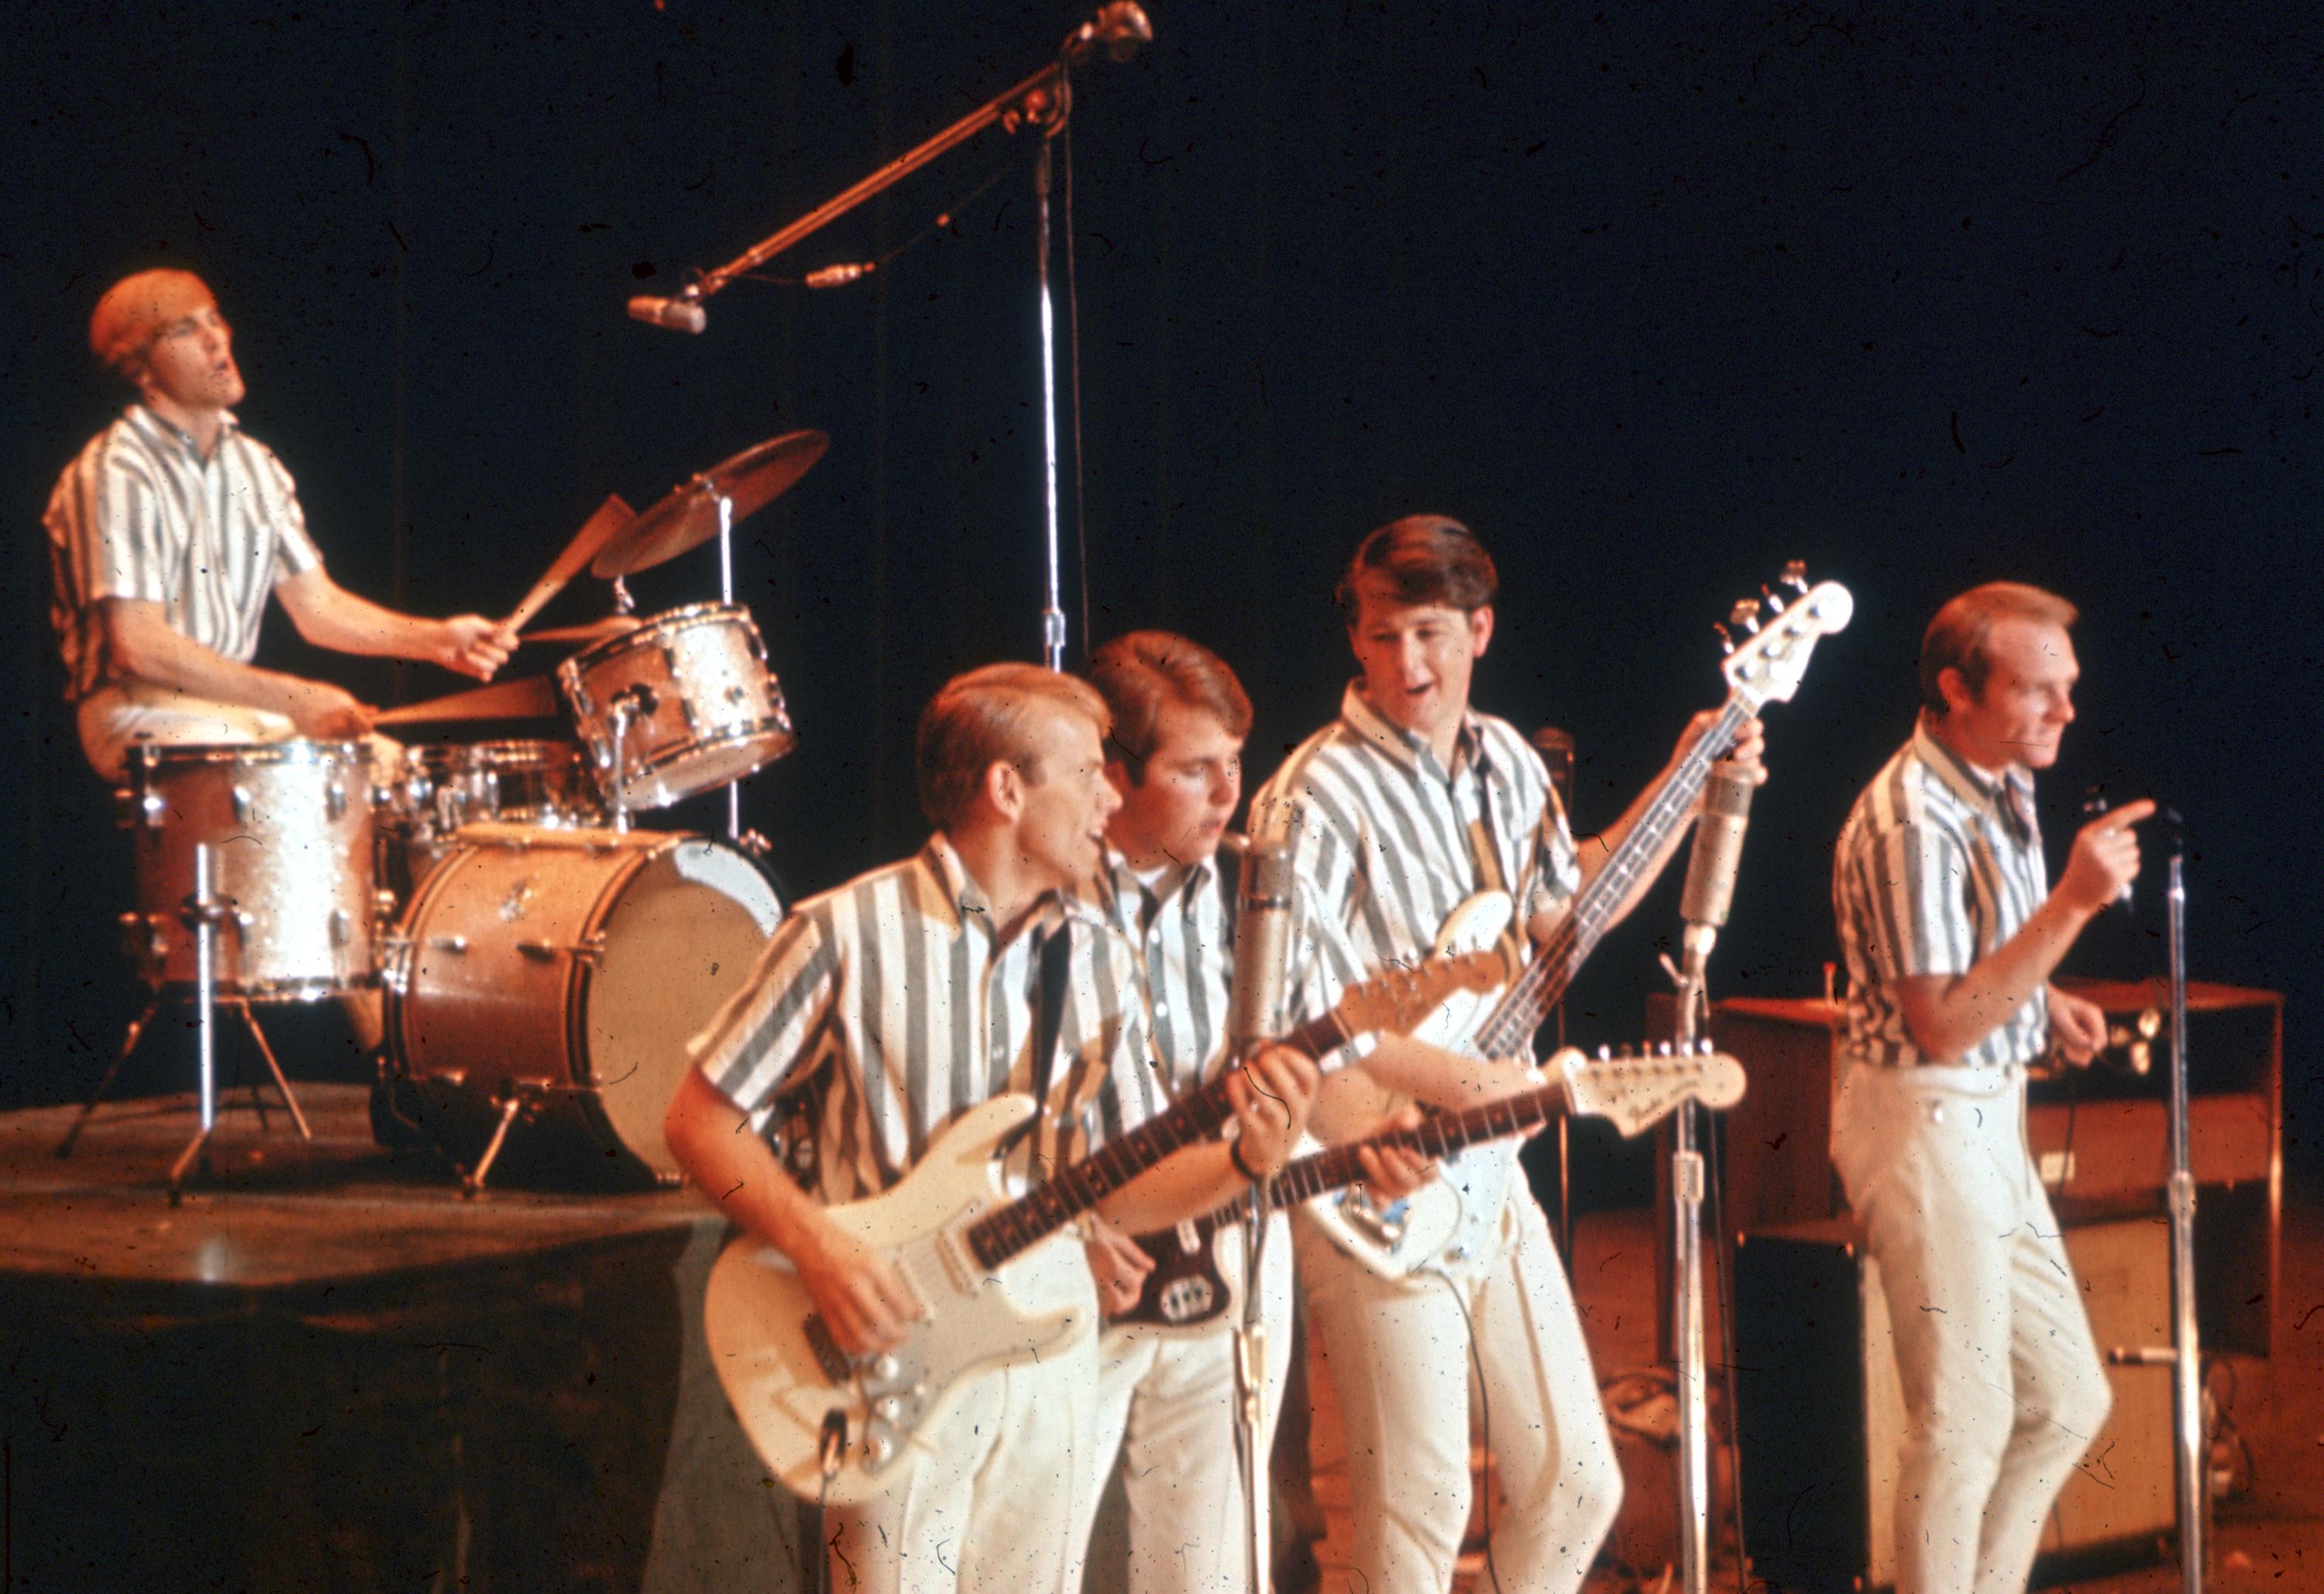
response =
{"points": [[141, 514], [1939, 862], [923, 1008], [1391, 841], [1181, 923]]}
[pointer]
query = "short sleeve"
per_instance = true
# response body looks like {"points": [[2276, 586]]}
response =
{"points": [[776, 1020], [295, 552], [1908, 895]]}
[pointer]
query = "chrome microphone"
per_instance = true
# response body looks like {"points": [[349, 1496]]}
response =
{"points": [[1710, 890], [1262, 946], [679, 314]]}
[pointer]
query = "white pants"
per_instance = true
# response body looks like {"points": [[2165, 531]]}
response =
{"points": [[2002, 1382], [991, 1507], [1400, 1358], [1173, 1395]]}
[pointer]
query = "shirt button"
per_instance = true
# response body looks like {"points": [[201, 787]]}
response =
{"points": [[1161, 1009]]}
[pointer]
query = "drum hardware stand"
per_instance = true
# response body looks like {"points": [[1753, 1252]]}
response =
{"points": [[1686, 1282], [519, 1097], [1040, 101], [630, 704], [201, 912], [2183, 1356], [726, 595]]}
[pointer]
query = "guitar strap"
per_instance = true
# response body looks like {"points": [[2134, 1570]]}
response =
{"points": [[1056, 967], [1485, 851]]}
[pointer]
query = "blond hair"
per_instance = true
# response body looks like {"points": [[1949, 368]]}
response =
{"points": [[987, 717], [132, 313]]}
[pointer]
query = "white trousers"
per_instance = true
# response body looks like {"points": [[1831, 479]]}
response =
{"points": [[2002, 1382], [1400, 1355], [994, 1502], [1166, 1409]]}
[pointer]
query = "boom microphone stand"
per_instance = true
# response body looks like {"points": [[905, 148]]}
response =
{"points": [[1041, 101]]}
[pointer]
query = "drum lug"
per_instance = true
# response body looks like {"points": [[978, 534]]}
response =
{"points": [[395, 962], [241, 806], [458, 944], [334, 800], [342, 928], [132, 809]]}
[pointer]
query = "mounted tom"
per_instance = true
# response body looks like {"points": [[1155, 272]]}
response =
{"points": [[1464, 1202]]}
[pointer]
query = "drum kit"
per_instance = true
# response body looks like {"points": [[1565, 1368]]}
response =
{"points": [[540, 964]]}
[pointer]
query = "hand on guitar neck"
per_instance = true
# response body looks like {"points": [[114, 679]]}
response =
{"points": [[1743, 760], [1271, 1097]]}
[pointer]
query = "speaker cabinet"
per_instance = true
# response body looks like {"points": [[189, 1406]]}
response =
{"points": [[1819, 1416]]}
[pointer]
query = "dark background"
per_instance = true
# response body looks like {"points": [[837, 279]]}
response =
{"points": [[1921, 298]]}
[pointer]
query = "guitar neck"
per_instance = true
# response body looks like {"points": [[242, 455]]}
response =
{"points": [[1051, 1205], [1509, 1031]]}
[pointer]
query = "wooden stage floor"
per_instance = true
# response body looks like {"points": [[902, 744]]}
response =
{"points": [[327, 1370]]}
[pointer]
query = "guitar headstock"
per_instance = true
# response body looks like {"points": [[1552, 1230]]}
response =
{"points": [[1768, 664], [1396, 999], [1636, 1091]]}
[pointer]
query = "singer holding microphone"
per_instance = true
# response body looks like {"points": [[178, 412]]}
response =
{"points": [[1952, 930], [1407, 805]]}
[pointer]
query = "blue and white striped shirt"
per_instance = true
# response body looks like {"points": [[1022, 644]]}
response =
{"points": [[1939, 862], [141, 514]]}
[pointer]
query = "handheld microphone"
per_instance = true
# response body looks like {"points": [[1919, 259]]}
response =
{"points": [[1710, 890], [679, 314], [1262, 945]]}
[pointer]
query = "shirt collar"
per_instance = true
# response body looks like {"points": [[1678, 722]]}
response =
{"points": [[153, 426], [2006, 795], [964, 902], [1120, 884], [1404, 747]]}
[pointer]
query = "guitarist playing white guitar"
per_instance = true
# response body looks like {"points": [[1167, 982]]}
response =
{"points": [[1403, 808], [920, 988]]}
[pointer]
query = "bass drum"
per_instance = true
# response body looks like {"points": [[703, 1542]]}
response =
{"points": [[566, 970]]}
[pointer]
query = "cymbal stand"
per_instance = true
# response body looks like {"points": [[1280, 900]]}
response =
{"points": [[2184, 1354], [202, 913], [1053, 614], [726, 595]]}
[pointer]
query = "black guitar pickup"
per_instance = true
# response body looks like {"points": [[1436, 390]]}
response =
{"points": [[834, 1362]]}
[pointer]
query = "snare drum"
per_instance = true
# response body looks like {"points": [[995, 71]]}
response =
{"points": [[289, 825], [691, 696], [567, 969]]}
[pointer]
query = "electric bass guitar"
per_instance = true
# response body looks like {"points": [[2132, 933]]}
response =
{"points": [[1455, 1214], [1187, 1290], [831, 1426]]}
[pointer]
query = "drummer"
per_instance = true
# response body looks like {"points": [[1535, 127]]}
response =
{"points": [[168, 532]]}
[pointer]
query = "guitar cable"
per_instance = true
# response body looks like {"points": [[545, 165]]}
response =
{"points": [[1484, 1415]]}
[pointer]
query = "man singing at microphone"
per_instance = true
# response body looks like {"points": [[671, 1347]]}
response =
{"points": [[168, 533], [1405, 805], [1175, 759], [1952, 930]]}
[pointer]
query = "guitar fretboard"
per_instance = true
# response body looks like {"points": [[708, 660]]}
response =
{"points": [[1049, 1206], [1509, 1030]]}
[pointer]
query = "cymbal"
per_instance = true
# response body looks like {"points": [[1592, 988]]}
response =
{"points": [[533, 698], [687, 516], [595, 631]]}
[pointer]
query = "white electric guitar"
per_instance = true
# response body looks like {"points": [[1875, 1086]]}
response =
{"points": [[830, 1425], [1456, 1215]]}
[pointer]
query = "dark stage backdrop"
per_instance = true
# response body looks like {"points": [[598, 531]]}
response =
{"points": [[1924, 296]]}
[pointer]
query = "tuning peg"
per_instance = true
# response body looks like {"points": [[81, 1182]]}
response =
{"points": [[1746, 614], [1726, 638], [1772, 598], [1795, 575], [1605, 1053], [1664, 1049]]}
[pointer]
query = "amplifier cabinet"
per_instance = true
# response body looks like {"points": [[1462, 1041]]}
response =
{"points": [[1820, 1417]]}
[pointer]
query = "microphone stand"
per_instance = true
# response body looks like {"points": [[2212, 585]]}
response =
{"points": [[1250, 1387], [2184, 1354], [1686, 1282], [1041, 101]]}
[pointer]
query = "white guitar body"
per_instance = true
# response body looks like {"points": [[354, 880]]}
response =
{"points": [[786, 1379], [1455, 1214]]}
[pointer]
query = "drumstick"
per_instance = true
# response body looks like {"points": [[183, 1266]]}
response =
{"points": [[611, 517], [502, 700]]}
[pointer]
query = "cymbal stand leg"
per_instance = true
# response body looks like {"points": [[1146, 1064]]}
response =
{"points": [[129, 1039], [202, 914], [472, 1182], [275, 1068]]}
